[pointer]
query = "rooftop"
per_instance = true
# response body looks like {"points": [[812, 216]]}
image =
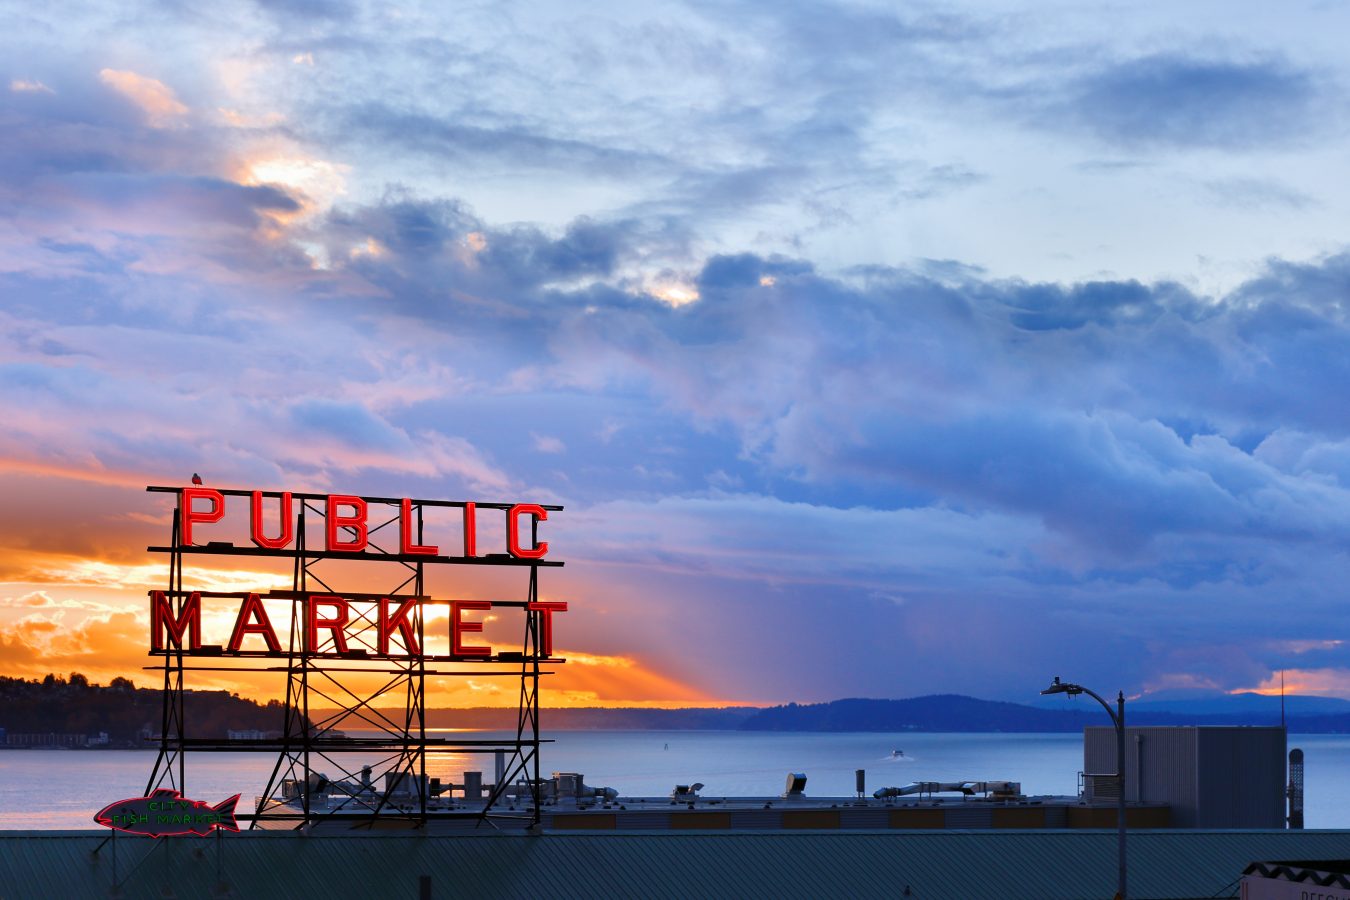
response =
{"points": [[1036, 865]]}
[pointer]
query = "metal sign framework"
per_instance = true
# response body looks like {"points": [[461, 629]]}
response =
{"points": [[324, 690]]}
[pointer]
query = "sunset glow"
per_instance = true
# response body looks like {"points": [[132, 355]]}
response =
{"points": [[869, 351]]}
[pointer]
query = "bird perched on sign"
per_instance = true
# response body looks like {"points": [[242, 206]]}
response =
{"points": [[196, 479]]}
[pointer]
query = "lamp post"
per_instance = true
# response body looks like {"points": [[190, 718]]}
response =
{"points": [[1117, 719]]}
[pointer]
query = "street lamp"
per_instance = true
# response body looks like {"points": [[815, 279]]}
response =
{"points": [[1117, 719]]}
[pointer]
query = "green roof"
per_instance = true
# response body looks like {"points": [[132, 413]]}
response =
{"points": [[1038, 865]]}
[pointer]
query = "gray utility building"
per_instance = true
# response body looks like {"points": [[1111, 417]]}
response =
{"points": [[1210, 776]]}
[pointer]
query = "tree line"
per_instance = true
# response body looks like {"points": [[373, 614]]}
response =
{"points": [[125, 712]]}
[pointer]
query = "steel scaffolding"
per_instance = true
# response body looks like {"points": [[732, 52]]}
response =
{"points": [[380, 773]]}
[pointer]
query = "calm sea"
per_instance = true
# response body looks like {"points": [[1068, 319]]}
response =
{"points": [[62, 789]]}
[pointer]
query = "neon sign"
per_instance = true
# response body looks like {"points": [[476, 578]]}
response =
{"points": [[167, 813], [344, 625], [351, 514]]}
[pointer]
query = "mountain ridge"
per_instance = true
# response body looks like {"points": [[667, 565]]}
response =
{"points": [[125, 712]]}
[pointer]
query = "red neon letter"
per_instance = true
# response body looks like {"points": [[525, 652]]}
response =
{"points": [[253, 607], [335, 624], [163, 620], [287, 524], [405, 536], [190, 515], [470, 529], [458, 627], [356, 521], [513, 531], [546, 611], [400, 621]]}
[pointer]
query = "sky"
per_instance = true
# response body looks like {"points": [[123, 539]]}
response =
{"points": [[873, 350]]}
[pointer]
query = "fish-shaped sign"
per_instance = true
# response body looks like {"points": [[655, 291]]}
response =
{"points": [[167, 812]]}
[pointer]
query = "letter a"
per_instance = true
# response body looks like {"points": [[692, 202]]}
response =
{"points": [[251, 608]]}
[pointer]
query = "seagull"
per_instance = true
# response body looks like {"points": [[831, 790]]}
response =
{"points": [[196, 479]]}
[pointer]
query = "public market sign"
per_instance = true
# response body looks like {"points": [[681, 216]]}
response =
{"points": [[344, 625]]}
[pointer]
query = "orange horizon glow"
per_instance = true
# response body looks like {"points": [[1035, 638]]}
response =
{"points": [[1324, 682], [549, 699], [74, 601]]}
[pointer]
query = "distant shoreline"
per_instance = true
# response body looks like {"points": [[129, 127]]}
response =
{"points": [[75, 714]]}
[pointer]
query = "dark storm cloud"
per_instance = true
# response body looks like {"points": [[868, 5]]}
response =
{"points": [[84, 125], [585, 248], [1051, 306], [309, 10], [1181, 100], [1116, 413], [745, 270], [412, 228], [443, 262], [510, 143], [152, 201]]}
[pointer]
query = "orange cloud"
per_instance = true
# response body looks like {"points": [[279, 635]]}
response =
{"points": [[29, 86], [114, 477], [155, 98], [1328, 682], [104, 646], [1170, 681], [43, 600], [42, 642]]}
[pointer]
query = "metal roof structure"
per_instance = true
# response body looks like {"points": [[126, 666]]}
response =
{"points": [[1036, 865]]}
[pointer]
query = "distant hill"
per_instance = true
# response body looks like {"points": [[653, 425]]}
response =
{"points": [[956, 713], [938, 712], [122, 710]]}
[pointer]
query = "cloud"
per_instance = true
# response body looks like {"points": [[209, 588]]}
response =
{"points": [[548, 444], [29, 86], [1178, 100], [162, 109], [98, 647], [309, 10], [157, 204], [1256, 194], [727, 287], [1329, 682], [43, 600], [515, 144]]}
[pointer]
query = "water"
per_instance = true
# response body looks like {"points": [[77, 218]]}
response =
{"points": [[62, 789]]}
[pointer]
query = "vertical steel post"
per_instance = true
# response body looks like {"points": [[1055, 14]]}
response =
{"points": [[1118, 720], [532, 618], [420, 665], [171, 709], [305, 737], [1120, 773]]}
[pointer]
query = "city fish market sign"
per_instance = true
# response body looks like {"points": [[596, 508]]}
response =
{"points": [[344, 625], [167, 813]]}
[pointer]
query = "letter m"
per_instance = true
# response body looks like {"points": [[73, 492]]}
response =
{"points": [[163, 621]]}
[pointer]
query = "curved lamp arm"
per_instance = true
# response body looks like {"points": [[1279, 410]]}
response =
{"points": [[1115, 720]]}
